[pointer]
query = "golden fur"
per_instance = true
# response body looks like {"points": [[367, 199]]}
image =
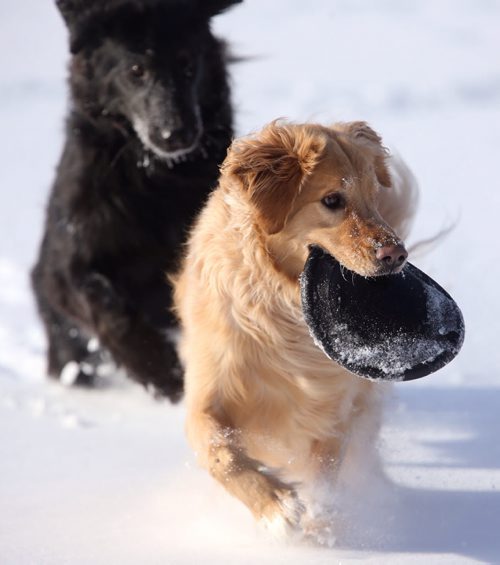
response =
{"points": [[268, 414]]}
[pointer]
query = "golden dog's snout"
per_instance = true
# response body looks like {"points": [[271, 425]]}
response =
{"points": [[392, 257]]}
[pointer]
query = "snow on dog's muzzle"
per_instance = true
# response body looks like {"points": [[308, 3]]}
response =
{"points": [[397, 327]]}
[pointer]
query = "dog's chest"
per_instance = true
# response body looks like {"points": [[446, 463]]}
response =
{"points": [[286, 413]]}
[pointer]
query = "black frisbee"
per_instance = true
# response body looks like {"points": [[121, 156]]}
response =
{"points": [[397, 327]]}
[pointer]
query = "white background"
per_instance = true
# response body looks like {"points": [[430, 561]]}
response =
{"points": [[106, 476]]}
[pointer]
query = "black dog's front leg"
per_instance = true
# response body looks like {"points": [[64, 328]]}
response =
{"points": [[68, 342], [142, 349]]}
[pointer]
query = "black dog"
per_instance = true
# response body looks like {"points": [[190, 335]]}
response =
{"points": [[149, 123]]}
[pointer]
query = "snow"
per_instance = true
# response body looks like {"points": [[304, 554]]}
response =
{"points": [[106, 476]]}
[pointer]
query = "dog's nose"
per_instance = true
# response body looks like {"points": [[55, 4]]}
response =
{"points": [[392, 257], [174, 138]]}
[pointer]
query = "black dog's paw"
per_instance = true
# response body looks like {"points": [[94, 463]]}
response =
{"points": [[172, 391], [170, 385], [78, 374], [89, 370]]}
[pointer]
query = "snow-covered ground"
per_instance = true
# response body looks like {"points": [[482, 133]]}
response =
{"points": [[91, 477]]}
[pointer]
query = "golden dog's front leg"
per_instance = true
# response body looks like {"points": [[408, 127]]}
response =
{"points": [[221, 450], [269, 499]]}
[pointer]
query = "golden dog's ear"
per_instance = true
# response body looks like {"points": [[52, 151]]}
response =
{"points": [[364, 135], [272, 168]]}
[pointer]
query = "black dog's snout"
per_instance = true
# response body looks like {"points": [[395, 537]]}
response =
{"points": [[175, 138], [392, 257]]}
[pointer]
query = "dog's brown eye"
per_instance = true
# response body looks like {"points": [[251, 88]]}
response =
{"points": [[333, 201], [137, 71]]}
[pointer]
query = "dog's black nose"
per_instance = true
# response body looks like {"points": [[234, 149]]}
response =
{"points": [[392, 257], [175, 139]]}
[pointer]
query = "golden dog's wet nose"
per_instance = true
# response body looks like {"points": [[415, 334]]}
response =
{"points": [[392, 257]]}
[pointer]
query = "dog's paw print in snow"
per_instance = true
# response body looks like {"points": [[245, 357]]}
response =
{"points": [[70, 420], [45, 406], [67, 417], [54, 409]]}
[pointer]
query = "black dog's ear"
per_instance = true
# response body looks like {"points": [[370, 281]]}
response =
{"points": [[85, 17], [82, 19], [69, 10], [214, 7]]}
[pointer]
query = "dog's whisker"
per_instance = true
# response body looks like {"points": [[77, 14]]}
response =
{"points": [[342, 271]]}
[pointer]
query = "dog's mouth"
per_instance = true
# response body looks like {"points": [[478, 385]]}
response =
{"points": [[381, 265], [172, 147], [176, 156]]}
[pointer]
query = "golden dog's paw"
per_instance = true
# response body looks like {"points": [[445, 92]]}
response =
{"points": [[320, 531], [282, 516]]}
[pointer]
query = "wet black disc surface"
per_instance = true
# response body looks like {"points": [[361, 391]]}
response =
{"points": [[397, 327]]}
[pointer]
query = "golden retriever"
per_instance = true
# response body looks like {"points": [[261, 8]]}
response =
{"points": [[268, 414]]}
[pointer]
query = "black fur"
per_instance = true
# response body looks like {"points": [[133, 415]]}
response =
{"points": [[149, 123]]}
